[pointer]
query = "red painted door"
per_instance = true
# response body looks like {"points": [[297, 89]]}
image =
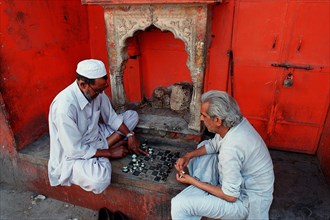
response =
{"points": [[293, 34]]}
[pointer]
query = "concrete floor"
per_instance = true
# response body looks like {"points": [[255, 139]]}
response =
{"points": [[300, 193], [17, 205]]}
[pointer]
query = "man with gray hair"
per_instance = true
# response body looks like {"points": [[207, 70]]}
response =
{"points": [[85, 131], [231, 176]]}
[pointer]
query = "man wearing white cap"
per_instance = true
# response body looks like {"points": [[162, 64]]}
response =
{"points": [[85, 131]]}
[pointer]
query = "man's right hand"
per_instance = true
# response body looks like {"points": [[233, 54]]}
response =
{"points": [[118, 152], [181, 163]]}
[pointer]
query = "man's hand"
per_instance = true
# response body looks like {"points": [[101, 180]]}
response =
{"points": [[118, 152], [181, 163], [134, 146], [185, 178]]}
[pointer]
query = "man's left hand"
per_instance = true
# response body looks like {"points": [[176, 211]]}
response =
{"points": [[134, 146], [184, 178]]}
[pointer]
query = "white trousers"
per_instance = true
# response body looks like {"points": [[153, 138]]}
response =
{"points": [[194, 203], [94, 174]]}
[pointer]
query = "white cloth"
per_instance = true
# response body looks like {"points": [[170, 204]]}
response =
{"points": [[76, 134], [244, 170]]}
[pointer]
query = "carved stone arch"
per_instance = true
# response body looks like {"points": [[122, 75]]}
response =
{"points": [[188, 22]]}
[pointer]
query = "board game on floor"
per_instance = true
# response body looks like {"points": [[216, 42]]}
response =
{"points": [[155, 166]]}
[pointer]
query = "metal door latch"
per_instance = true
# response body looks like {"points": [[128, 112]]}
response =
{"points": [[289, 65]]}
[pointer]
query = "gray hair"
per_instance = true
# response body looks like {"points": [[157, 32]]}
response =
{"points": [[223, 106]]}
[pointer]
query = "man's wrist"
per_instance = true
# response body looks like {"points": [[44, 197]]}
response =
{"points": [[188, 155], [130, 134]]}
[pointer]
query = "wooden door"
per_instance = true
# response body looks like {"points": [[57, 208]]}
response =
{"points": [[256, 44], [274, 41], [300, 109]]}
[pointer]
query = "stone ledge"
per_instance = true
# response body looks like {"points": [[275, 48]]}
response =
{"points": [[138, 198], [38, 153]]}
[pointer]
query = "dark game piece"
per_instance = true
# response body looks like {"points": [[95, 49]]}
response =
{"points": [[157, 178], [136, 173]]}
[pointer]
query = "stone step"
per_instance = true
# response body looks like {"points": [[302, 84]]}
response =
{"points": [[138, 197], [167, 127]]}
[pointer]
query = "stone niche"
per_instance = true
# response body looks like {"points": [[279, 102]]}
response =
{"points": [[188, 20]]}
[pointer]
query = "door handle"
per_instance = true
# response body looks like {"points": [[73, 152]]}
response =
{"points": [[274, 42], [299, 45], [289, 65]]}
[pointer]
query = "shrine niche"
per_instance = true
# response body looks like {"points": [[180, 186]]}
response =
{"points": [[189, 21]]}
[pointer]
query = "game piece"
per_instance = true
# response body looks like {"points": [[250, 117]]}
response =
{"points": [[125, 169]]}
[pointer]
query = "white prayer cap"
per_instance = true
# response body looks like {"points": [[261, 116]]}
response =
{"points": [[91, 69]]}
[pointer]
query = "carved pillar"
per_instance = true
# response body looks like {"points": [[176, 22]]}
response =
{"points": [[188, 22], [121, 22]]}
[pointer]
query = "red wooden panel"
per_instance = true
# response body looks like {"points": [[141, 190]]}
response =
{"points": [[254, 90], [258, 30], [307, 100], [295, 137], [309, 33], [222, 22], [301, 111], [295, 115], [163, 60]]}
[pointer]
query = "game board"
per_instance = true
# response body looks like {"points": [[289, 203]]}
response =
{"points": [[156, 166]]}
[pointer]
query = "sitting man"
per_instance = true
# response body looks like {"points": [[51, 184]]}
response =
{"points": [[85, 131], [231, 176]]}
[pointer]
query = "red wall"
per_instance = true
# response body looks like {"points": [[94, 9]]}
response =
{"points": [[42, 41], [5, 134]]}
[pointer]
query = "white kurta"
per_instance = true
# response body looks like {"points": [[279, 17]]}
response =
{"points": [[75, 135], [241, 164]]}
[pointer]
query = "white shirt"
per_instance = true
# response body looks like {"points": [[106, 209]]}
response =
{"points": [[245, 167], [74, 130]]}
